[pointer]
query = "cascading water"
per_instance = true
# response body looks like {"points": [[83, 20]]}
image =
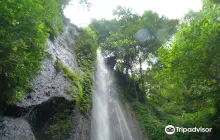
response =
{"points": [[100, 112], [108, 119]]}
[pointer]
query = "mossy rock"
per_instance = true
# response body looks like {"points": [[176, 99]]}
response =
{"points": [[57, 127], [51, 120]]}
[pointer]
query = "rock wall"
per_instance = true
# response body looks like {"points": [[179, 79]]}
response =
{"points": [[15, 129], [133, 124], [47, 112], [80, 128], [126, 128]]}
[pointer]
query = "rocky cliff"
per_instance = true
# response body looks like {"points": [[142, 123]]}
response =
{"points": [[48, 112]]}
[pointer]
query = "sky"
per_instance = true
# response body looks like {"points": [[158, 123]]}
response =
{"points": [[103, 8]]}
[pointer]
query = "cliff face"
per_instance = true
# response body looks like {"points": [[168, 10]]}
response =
{"points": [[15, 129], [48, 111], [133, 124]]}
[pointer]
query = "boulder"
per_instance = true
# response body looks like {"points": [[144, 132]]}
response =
{"points": [[15, 129]]}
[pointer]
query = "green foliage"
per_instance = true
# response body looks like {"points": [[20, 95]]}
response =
{"points": [[152, 123], [124, 40], [25, 26], [103, 28], [193, 62], [72, 91], [53, 17], [80, 90], [47, 54], [57, 126], [58, 66], [134, 37], [77, 81], [85, 49], [58, 129], [149, 123], [87, 92], [63, 3], [182, 86]]}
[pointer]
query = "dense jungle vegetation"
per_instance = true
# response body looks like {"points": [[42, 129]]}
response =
{"points": [[181, 83], [24, 28]]}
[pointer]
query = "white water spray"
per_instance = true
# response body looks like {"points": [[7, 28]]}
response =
{"points": [[100, 120], [108, 120]]}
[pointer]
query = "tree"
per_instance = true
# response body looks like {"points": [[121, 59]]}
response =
{"points": [[187, 77], [24, 28], [103, 28], [134, 38]]}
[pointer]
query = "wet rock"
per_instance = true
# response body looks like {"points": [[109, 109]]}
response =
{"points": [[15, 129], [48, 109], [51, 120], [110, 62], [80, 128], [45, 86], [49, 83], [133, 124]]}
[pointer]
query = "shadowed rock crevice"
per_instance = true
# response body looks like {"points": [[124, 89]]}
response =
{"points": [[47, 117], [110, 62], [51, 120]]}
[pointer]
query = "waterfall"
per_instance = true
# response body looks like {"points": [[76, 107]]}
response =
{"points": [[108, 119]]}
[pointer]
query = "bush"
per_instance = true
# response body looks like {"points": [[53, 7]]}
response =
{"points": [[85, 50], [25, 26], [80, 90], [58, 66]]}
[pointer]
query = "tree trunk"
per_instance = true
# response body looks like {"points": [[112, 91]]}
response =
{"points": [[141, 74], [134, 85], [126, 74], [141, 81], [126, 67]]}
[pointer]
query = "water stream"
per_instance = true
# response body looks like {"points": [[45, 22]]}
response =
{"points": [[108, 119]]}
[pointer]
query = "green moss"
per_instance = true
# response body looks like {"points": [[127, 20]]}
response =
{"points": [[57, 125], [85, 103], [58, 129], [85, 50], [76, 89], [81, 87], [75, 78], [71, 75], [29, 89], [58, 66], [80, 90], [72, 91], [47, 54]]}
